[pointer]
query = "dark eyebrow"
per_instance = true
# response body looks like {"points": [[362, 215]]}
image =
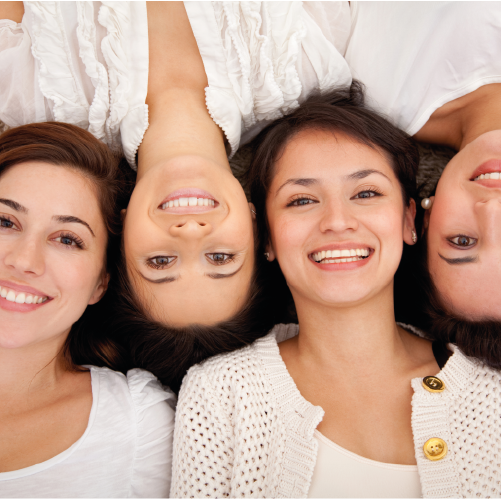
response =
{"points": [[459, 261], [68, 219], [298, 181], [14, 205], [159, 281], [364, 173], [223, 276]]}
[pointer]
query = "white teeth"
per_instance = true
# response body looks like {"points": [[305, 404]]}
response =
{"points": [[489, 176], [191, 201], [12, 296], [340, 256]]}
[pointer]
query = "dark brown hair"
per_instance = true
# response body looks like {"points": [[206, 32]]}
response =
{"points": [[70, 146], [167, 351]]}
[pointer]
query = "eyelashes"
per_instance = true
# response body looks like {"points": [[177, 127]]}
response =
{"points": [[462, 241], [364, 193], [67, 239], [163, 262]]}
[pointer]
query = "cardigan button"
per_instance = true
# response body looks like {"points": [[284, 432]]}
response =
{"points": [[433, 384], [435, 449]]}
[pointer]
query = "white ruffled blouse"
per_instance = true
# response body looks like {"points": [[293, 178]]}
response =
{"points": [[86, 63]]}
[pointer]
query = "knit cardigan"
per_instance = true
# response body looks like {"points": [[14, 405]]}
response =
{"points": [[244, 430]]}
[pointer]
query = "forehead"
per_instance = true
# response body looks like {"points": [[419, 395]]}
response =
{"points": [[470, 289], [317, 150], [194, 298], [50, 188]]}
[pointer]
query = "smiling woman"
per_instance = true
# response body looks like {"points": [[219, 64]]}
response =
{"points": [[59, 226], [347, 389]]}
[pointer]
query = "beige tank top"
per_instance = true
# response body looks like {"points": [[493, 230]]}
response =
{"points": [[341, 473]]}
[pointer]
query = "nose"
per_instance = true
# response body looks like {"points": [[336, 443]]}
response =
{"points": [[489, 214], [25, 256], [190, 229], [337, 217]]}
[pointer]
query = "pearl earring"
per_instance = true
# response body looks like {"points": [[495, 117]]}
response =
{"points": [[426, 203], [414, 236], [267, 256]]}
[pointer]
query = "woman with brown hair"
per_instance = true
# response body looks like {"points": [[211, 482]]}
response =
{"points": [[176, 86], [67, 427]]}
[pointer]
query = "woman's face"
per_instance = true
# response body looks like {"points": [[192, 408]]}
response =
{"points": [[52, 251], [337, 219], [464, 230], [189, 242]]}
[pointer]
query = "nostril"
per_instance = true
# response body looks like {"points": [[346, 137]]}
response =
{"points": [[202, 224]]}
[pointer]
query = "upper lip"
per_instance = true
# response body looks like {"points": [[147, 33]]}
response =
{"points": [[22, 288], [187, 193], [489, 166]]}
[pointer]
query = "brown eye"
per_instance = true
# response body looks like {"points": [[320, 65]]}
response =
{"points": [[220, 258], [160, 262], [463, 241]]}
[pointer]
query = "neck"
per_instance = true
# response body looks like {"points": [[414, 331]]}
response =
{"points": [[463, 120], [180, 125], [361, 335], [33, 368]]}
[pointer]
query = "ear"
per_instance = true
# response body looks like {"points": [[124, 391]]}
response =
{"points": [[123, 213], [101, 288], [410, 215], [253, 211], [271, 252], [427, 214]]}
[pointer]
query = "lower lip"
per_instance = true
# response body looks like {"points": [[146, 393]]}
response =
{"points": [[332, 267], [12, 306]]}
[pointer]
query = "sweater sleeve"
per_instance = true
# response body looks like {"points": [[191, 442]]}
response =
{"points": [[203, 439]]}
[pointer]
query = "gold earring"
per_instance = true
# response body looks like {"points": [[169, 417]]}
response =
{"points": [[414, 236]]}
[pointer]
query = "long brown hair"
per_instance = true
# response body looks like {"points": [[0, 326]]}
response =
{"points": [[69, 146]]}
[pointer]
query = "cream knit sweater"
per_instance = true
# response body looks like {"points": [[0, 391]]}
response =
{"points": [[244, 430]]}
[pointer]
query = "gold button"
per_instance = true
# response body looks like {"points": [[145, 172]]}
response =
{"points": [[433, 384], [435, 449]]}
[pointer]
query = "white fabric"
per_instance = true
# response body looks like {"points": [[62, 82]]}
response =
{"points": [[415, 57], [86, 63], [244, 430], [125, 450], [357, 476]]}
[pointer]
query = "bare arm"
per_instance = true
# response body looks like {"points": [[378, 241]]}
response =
{"points": [[12, 10]]}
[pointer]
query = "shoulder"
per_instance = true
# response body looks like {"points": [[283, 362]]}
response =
{"points": [[235, 370], [139, 388]]}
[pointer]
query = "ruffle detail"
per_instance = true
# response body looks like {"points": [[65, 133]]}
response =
{"points": [[57, 79], [115, 17], [125, 50], [86, 34], [261, 44]]}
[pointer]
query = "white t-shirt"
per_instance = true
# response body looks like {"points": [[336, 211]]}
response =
{"points": [[126, 450], [341, 473], [414, 57], [86, 63]]}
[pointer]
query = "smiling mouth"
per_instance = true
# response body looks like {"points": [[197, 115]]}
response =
{"points": [[341, 256], [187, 201], [489, 176], [21, 297]]}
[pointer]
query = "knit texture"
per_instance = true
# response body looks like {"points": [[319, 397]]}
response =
{"points": [[244, 430]]}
